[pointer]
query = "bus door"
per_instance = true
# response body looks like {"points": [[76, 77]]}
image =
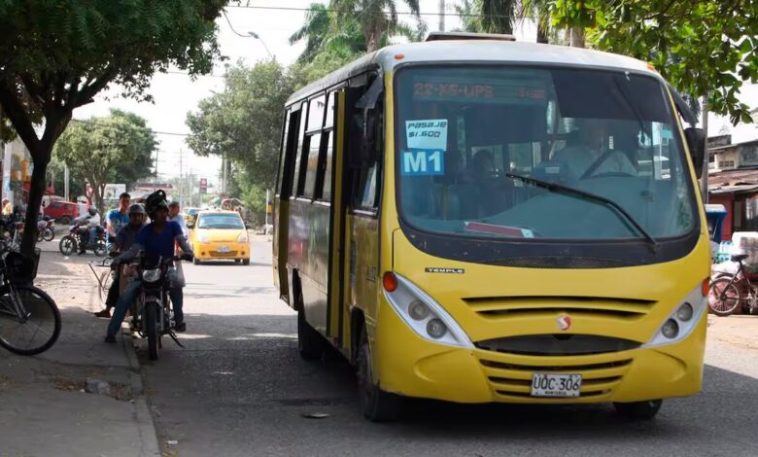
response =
{"points": [[363, 137], [282, 199]]}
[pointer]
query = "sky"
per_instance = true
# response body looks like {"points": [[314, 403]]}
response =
{"points": [[175, 94]]}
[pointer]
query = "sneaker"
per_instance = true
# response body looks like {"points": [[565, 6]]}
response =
{"points": [[110, 339], [181, 327], [106, 313]]}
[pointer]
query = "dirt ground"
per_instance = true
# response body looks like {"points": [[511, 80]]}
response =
{"points": [[739, 330]]}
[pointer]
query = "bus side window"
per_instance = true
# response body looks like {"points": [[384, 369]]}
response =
{"points": [[324, 183], [312, 145], [297, 181], [287, 157]]}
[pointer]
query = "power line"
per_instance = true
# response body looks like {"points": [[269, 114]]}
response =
{"points": [[331, 10], [156, 132], [232, 27], [187, 74]]}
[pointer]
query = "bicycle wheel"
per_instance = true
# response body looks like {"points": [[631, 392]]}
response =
{"points": [[39, 326], [723, 296]]}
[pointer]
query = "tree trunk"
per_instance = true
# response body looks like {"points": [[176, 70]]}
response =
{"points": [[542, 34], [576, 37], [36, 191]]}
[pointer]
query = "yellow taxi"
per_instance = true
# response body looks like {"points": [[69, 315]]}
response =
{"points": [[220, 235]]}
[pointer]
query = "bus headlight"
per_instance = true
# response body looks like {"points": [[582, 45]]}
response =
{"points": [[680, 323], [670, 329], [685, 312], [418, 310], [436, 328], [422, 313]]}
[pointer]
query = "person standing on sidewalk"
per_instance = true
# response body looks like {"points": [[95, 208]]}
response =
{"points": [[174, 211], [122, 243], [157, 239], [118, 218]]}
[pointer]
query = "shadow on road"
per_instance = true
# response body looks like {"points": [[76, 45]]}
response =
{"points": [[255, 372]]}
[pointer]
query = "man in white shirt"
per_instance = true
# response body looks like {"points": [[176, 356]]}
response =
{"points": [[174, 211], [578, 159]]}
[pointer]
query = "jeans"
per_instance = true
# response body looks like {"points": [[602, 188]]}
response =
{"points": [[128, 297], [110, 301], [92, 239]]}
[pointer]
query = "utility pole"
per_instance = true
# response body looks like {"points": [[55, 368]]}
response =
{"points": [[181, 178], [65, 182], [704, 177], [442, 15], [223, 173]]}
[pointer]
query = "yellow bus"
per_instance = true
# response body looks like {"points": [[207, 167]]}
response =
{"points": [[486, 220]]}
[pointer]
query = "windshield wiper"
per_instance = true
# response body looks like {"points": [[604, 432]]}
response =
{"points": [[567, 190]]}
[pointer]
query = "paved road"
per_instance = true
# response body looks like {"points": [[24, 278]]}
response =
{"points": [[238, 388]]}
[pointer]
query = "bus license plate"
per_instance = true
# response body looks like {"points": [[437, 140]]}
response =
{"points": [[223, 249], [556, 385]]}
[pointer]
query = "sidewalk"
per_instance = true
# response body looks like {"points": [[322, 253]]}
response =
{"points": [[738, 330], [46, 409]]}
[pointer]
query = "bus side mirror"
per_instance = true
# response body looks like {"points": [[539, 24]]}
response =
{"points": [[696, 144]]}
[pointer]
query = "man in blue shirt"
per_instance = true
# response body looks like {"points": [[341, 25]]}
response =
{"points": [[157, 240], [123, 242], [118, 218]]}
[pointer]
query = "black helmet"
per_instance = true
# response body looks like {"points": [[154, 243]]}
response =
{"points": [[154, 201], [136, 209], [92, 211]]}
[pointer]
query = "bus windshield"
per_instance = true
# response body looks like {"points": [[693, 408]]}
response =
{"points": [[467, 137]]}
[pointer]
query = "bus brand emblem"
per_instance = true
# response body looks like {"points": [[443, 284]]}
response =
{"points": [[564, 322]]}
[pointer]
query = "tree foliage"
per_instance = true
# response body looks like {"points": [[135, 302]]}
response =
{"points": [[489, 16], [57, 55], [377, 18], [112, 149], [244, 122], [700, 46]]}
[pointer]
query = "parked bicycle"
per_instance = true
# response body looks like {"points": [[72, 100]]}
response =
{"points": [[30, 322], [729, 291], [103, 275]]}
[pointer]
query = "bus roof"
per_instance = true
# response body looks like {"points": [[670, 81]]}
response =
{"points": [[455, 51]]}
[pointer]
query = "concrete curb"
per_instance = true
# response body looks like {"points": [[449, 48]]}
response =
{"points": [[149, 446]]}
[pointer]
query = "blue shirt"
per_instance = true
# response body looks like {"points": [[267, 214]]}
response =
{"points": [[117, 219], [179, 219], [158, 244], [126, 236]]}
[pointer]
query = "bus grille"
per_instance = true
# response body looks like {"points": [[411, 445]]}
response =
{"points": [[557, 344], [527, 306], [513, 380]]}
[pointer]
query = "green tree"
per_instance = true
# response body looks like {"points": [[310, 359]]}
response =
{"points": [[314, 31], [377, 18], [700, 46], [488, 16], [57, 55], [244, 122], [117, 148]]}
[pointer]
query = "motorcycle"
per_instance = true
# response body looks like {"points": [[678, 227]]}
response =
{"points": [[71, 243], [152, 313], [45, 229]]}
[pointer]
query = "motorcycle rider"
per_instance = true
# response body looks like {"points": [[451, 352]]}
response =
{"points": [[118, 218], [89, 233], [156, 240], [122, 243]]}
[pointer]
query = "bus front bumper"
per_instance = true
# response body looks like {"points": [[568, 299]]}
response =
{"points": [[409, 365]]}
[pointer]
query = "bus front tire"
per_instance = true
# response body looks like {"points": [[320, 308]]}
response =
{"points": [[640, 410], [376, 404]]}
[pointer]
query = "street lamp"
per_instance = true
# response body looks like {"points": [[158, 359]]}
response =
{"points": [[257, 37]]}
